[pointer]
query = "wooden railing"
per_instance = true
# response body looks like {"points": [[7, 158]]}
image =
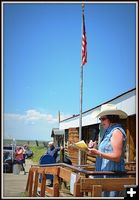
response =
{"points": [[83, 183], [97, 185]]}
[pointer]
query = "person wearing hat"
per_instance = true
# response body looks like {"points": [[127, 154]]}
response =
{"points": [[111, 149], [53, 151]]}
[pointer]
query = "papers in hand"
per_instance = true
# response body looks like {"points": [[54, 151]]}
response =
{"points": [[81, 145]]}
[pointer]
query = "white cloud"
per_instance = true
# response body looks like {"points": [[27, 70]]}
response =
{"points": [[32, 124], [31, 115], [34, 116]]}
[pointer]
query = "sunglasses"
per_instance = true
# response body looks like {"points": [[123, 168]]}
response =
{"points": [[103, 118]]}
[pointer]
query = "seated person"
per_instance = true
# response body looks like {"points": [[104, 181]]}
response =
{"points": [[52, 150]]}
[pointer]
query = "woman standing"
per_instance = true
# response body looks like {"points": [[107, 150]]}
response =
{"points": [[19, 158], [112, 146]]}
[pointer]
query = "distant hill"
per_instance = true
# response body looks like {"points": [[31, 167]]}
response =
{"points": [[28, 142]]}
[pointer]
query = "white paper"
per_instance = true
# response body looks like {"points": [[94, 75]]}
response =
{"points": [[72, 181]]}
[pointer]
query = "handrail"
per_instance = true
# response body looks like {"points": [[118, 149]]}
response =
{"points": [[87, 172], [64, 171]]}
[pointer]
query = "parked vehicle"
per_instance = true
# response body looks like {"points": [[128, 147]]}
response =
{"points": [[28, 153], [8, 158]]}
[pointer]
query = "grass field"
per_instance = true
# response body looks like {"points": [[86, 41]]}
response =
{"points": [[38, 151], [22, 142]]}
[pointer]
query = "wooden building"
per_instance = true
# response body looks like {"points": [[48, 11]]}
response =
{"points": [[58, 136], [91, 127]]}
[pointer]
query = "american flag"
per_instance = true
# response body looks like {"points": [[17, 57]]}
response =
{"points": [[84, 44]]}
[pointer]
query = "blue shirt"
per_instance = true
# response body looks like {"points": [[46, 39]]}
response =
{"points": [[53, 151], [105, 146]]}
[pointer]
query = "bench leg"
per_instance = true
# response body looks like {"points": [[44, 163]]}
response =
{"points": [[97, 191]]}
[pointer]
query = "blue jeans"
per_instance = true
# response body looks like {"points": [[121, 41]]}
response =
{"points": [[114, 194], [110, 194]]}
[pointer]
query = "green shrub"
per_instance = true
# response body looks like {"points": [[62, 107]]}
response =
{"points": [[24, 194]]}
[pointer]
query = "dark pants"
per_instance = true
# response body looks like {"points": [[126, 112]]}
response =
{"points": [[20, 162]]}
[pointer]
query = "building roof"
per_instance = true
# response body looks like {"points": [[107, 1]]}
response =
{"points": [[125, 102], [56, 131]]}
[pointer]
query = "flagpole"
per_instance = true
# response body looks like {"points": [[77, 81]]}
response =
{"points": [[81, 100], [59, 116]]}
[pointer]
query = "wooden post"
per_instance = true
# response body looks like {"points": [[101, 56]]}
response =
{"points": [[73, 137], [62, 155], [35, 184], [30, 183], [56, 186], [77, 192], [131, 137], [43, 183], [97, 191]]}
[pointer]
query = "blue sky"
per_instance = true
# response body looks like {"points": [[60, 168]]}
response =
{"points": [[42, 58]]}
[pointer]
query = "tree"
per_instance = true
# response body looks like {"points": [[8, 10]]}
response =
{"points": [[37, 143]]}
